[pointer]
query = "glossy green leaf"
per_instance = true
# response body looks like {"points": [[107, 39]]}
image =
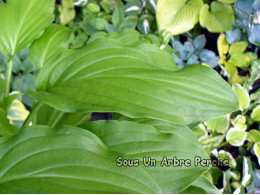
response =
{"points": [[118, 16], [165, 127], [217, 17], [67, 12], [45, 51], [7, 101], [22, 22], [239, 122], [240, 60], [93, 7], [201, 186], [253, 136], [243, 96], [138, 140], [139, 81], [177, 16], [256, 114], [200, 131], [72, 160], [6, 129], [236, 137], [209, 143], [238, 47], [219, 124], [253, 56], [127, 36], [47, 115]]}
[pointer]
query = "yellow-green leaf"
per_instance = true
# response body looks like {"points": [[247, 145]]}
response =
{"points": [[219, 124], [21, 22], [236, 137], [240, 60], [217, 17], [240, 122], [17, 112], [256, 114], [223, 45], [177, 16], [243, 96], [238, 47], [254, 136]]}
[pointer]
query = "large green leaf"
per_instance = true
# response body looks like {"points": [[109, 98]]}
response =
{"points": [[165, 127], [45, 51], [217, 17], [72, 160], [178, 16], [137, 81], [21, 22], [134, 141], [201, 186], [6, 129], [47, 115]]}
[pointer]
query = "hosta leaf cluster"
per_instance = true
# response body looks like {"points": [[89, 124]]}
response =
{"points": [[136, 86], [83, 161], [181, 16]]}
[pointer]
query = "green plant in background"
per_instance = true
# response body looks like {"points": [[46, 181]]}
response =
{"points": [[193, 52], [236, 135], [234, 57], [24, 74], [178, 17], [181, 16], [247, 21], [97, 18], [124, 73]]}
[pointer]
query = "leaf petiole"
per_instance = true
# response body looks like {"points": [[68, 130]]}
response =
{"points": [[8, 77], [34, 111]]}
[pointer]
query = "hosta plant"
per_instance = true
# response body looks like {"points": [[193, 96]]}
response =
{"points": [[179, 16], [193, 52], [58, 149], [236, 135], [91, 19]]}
